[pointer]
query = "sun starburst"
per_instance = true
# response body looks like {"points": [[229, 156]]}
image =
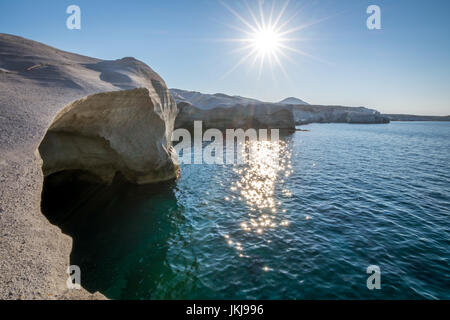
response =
{"points": [[267, 37]]}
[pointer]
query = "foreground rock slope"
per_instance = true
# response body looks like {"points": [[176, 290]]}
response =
{"points": [[36, 83]]}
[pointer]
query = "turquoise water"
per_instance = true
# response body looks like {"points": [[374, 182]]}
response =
{"points": [[344, 197]]}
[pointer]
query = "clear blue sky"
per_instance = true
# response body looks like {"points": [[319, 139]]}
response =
{"points": [[403, 68]]}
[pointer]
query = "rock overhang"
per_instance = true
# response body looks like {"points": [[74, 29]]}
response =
{"points": [[126, 132]]}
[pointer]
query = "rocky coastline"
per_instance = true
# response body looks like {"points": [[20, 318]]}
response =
{"points": [[220, 110], [63, 112]]}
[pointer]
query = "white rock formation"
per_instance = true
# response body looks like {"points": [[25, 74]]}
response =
{"points": [[36, 83], [336, 114], [303, 113], [106, 133], [257, 116]]}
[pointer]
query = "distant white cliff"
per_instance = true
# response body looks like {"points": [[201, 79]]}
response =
{"points": [[193, 106], [336, 114], [293, 101], [409, 117]]}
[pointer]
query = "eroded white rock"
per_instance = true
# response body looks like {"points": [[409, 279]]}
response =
{"points": [[125, 132]]}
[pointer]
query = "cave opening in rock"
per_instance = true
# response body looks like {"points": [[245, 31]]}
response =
{"points": [[121, 232], [109, 184]]}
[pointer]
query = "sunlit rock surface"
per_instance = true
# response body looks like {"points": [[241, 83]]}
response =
{"points": [[206, 101]]}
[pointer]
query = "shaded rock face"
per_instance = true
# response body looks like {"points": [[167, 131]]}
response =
{"points": [[303, 112], [125, 132], [261, 116], [408, 117]]}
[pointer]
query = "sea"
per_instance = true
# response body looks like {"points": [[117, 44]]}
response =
{"points": [[340, 201]]}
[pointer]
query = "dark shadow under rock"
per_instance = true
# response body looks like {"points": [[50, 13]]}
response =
{"points": [[118, 230]]}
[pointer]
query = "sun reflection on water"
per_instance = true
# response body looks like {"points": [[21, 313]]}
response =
{"points": [[266, 165]]}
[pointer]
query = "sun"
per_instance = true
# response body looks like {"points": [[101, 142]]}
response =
{"points": [[267, 38]]}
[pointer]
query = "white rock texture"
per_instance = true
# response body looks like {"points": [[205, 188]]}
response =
{"points": [[36, 83], [112, 132]]}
